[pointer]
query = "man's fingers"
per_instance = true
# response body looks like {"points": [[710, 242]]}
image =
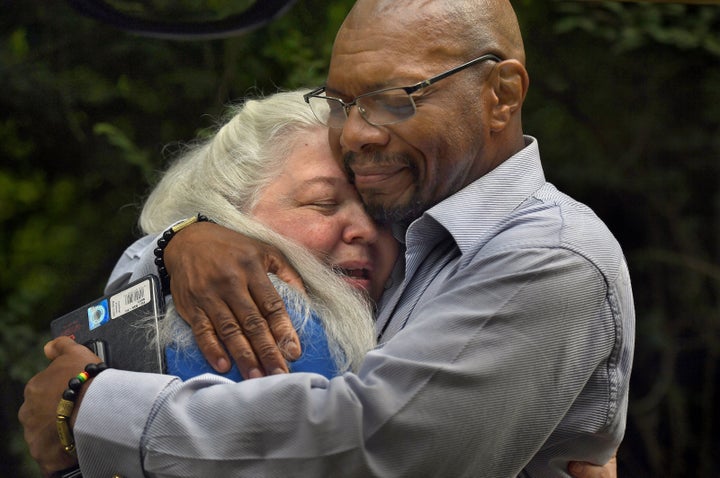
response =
{"points": [[212, 350], [277, 265], [278, 321], [218, 331], [259, 344], [273, 308], [283, 332], [581, 469], [59, 346], [225, 280], [67, 346], [237, 343]]}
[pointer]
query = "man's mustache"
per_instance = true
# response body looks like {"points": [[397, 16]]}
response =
{"points": [[375, 157]]}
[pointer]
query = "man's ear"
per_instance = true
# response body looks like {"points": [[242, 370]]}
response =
{"points": [[509, 83]]}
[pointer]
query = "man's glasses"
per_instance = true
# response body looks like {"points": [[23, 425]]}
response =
{"points": [[381, 107]]}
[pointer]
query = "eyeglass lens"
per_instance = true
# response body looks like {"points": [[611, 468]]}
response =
{"points": [[381, 108], [387, 107]]}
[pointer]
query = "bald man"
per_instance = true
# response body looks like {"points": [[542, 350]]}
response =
{"points": [[506, 335]]}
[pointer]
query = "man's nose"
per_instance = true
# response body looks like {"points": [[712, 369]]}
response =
{"points": [[357, 134]]}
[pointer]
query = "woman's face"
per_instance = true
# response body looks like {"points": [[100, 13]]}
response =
{"points": [[312, 202]]}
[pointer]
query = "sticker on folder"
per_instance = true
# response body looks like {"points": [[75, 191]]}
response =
{"points": [[130, 299], [98, 315]]}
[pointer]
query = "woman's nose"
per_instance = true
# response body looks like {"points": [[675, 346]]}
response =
{"points": [[360, 226]]}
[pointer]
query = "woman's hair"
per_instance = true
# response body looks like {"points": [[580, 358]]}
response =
{"points": [[223, 176], [234, 164]]}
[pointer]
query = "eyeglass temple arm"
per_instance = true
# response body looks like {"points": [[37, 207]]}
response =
{"points": [[312, 93], [442, 76]]}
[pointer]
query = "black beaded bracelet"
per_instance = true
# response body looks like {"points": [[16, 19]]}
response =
{"points": [[67, 404], [162, 244]]}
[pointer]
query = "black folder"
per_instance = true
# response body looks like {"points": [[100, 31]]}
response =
{"points": [[122, 327]]}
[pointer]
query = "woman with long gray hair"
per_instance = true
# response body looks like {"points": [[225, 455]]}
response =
{"points": [[269, 172]]}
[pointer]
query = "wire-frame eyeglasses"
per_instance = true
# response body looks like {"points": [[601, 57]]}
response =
{"points": [[382, 107]]}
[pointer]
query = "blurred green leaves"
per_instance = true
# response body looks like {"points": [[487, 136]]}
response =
{"points": [[631, 27]]}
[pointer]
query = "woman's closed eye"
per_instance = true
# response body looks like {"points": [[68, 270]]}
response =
{"points": [[326, 195], [326, 206]]}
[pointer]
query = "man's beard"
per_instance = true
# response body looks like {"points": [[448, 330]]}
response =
{"points": [[403, 214], [383, 213]]}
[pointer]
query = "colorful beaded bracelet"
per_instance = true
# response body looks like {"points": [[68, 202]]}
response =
{"points": [[67, 404], [164, 241]]}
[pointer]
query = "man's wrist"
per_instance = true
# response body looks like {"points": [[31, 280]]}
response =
{"points": [[70, 404], [163, 242]]}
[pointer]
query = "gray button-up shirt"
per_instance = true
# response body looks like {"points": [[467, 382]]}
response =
{"points": [[506, 350]]}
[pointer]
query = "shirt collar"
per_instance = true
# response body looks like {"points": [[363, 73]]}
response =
{"points": [[471, 214]]}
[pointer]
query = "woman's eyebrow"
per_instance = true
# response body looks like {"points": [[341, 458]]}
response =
{"points": [[330, 180]]}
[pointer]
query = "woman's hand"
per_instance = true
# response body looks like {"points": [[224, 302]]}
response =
{"points": [[220, 287]]}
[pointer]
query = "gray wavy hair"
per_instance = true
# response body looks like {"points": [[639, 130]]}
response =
{"points": [[222, 178]]}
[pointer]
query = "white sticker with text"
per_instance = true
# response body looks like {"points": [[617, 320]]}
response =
{"points": [[130, 299]]}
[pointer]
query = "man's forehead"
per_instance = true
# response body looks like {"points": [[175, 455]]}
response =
{"points": [[350, 77], [379, 55], [389, 7], [353, 74]]}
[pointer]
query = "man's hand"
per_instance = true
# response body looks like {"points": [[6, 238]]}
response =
{"points": [[580, 469], [42, 394], [220, 287]]}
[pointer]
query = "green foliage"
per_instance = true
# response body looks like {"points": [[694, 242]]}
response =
{"points": [[130, 152], [623, 98], [182, 10], [679, 26], [625, 101]]}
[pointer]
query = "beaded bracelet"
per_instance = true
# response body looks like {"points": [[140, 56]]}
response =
{"points": [[67, 404], [164, 241]]}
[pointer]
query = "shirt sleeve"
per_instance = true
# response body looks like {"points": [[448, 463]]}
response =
{"points": [[474, 385]]}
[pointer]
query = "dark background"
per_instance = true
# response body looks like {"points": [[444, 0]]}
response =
{"points": [[624, 97]]}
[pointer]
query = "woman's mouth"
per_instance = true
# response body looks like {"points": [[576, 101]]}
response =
{"points": [[358, 278], [355, 273]]}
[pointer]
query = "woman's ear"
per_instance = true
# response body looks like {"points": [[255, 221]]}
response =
{"points": [[509, 83]]}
